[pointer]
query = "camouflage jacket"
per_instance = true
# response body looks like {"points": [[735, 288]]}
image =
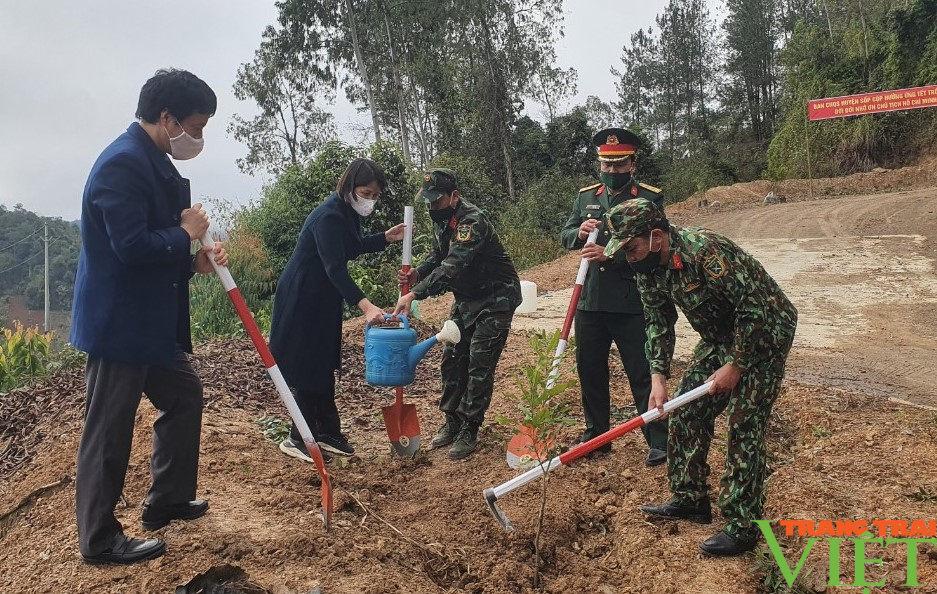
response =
{"points": [[726, 295], [469, 260], [609, 285]]}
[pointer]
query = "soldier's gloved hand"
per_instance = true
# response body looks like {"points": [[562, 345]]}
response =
{"points": [[411, 278], [586, 228]]}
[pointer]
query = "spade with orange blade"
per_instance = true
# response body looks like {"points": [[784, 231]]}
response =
{"points": [[282, 388], [524, 450], [403, 426]]}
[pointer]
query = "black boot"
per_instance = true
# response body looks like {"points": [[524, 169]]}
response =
{"points": [[700, 512], [448, 432], [723, 544], [465, 442]]}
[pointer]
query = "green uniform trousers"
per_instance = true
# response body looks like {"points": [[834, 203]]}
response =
{"points": [[748, 409], [468, 368]]}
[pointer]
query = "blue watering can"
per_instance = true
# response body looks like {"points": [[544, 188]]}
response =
{"points": [[391, 354]]}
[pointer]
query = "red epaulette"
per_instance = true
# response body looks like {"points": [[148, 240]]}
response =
{"points": [[677, 261]]}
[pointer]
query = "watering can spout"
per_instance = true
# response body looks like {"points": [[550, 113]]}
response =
{"points": [[449, 334]]}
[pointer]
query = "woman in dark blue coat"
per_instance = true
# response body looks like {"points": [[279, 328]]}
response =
{"points": [[306, 328]]}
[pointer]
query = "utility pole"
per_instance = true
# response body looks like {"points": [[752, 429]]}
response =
{"points": [[46, 241]]}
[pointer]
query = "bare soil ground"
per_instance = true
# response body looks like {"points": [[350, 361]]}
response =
{"points": [[861, 271]]}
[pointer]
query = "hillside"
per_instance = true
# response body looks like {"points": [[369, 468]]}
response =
{"points": [[850, 437]]}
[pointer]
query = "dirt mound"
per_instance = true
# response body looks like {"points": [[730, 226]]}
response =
{"points": [[744, 195]]}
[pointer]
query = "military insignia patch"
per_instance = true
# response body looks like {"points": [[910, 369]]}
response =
{"points": [[715, 266], [464, 233], [612, 139], [634, 191], [426, 177]]}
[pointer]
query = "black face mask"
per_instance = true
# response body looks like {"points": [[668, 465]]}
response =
{"points": [[442, 215], [648, 263]]}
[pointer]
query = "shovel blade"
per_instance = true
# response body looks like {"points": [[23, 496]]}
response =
{"points": [[403, 428], [522, 452], [316, 454]]}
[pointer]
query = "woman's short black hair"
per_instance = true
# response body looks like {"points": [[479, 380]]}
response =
{"points": [[360, 172], [178, 91]]}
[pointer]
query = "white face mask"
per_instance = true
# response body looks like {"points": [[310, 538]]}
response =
{"points": [[184, 146], [362, 206]]}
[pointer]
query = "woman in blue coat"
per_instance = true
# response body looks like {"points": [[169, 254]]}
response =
{"points": [[306, 328]]}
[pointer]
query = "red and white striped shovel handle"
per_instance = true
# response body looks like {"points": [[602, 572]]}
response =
{"points": [[570, 314], [286, 396]]}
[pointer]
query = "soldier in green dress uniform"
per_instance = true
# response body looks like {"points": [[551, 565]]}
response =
{"points": [[610, 307]]}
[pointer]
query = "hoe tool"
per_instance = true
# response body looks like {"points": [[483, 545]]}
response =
{"points": [[282, 388], [492, 494]]}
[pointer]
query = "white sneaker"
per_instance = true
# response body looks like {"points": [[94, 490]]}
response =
{"points": [[295, 449]]}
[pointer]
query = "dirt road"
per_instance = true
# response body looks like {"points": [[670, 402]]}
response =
{"points": [[861, 271]]}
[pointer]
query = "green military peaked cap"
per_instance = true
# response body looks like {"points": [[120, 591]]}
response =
{"points": [[437, 183], [630, 219], [615, 144]]}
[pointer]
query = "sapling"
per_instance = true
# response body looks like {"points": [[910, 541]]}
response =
{"points": [[543, 413]]}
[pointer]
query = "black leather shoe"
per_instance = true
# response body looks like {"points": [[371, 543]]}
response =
{"points": [[700, 513], [723, 544], [655, 457], [155, 517], [124, 549]]}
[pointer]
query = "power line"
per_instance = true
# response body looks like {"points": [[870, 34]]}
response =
{"points": [[36, 255], [21, 240]]}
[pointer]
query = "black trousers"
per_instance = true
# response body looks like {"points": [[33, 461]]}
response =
{"points": [[319, 411], [114, 391], [595, 331]]}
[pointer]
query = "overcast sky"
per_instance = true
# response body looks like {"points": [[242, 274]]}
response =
{"points": [[71, 72]]}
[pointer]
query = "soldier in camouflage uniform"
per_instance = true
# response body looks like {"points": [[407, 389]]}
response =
{"points": [[746, 326], [610, 307], [469, 260]]}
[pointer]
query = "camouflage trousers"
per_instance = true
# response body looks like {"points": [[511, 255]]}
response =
{"points": [[748, 410], [468, 368]]}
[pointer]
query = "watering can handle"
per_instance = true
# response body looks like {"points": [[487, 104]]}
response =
{"points": [[406, 322]]}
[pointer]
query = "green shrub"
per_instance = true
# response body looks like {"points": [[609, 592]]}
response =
{"points": [[529, 248], [545, 205], [24, 356]]}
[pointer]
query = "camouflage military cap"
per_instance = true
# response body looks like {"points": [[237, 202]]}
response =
{"points": [[631, 219], [437, 183]]}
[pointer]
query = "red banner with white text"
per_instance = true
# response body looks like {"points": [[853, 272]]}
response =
{"points": [[866, 103]]}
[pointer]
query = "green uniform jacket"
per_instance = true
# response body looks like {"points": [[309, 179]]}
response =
{"points": [[609, 285], [469, 260], [728, 298]]}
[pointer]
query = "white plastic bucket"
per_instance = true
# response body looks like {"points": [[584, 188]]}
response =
{"points": [[529, 295]]}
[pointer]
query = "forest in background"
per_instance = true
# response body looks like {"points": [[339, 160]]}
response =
{"points": [[716, 89]]}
